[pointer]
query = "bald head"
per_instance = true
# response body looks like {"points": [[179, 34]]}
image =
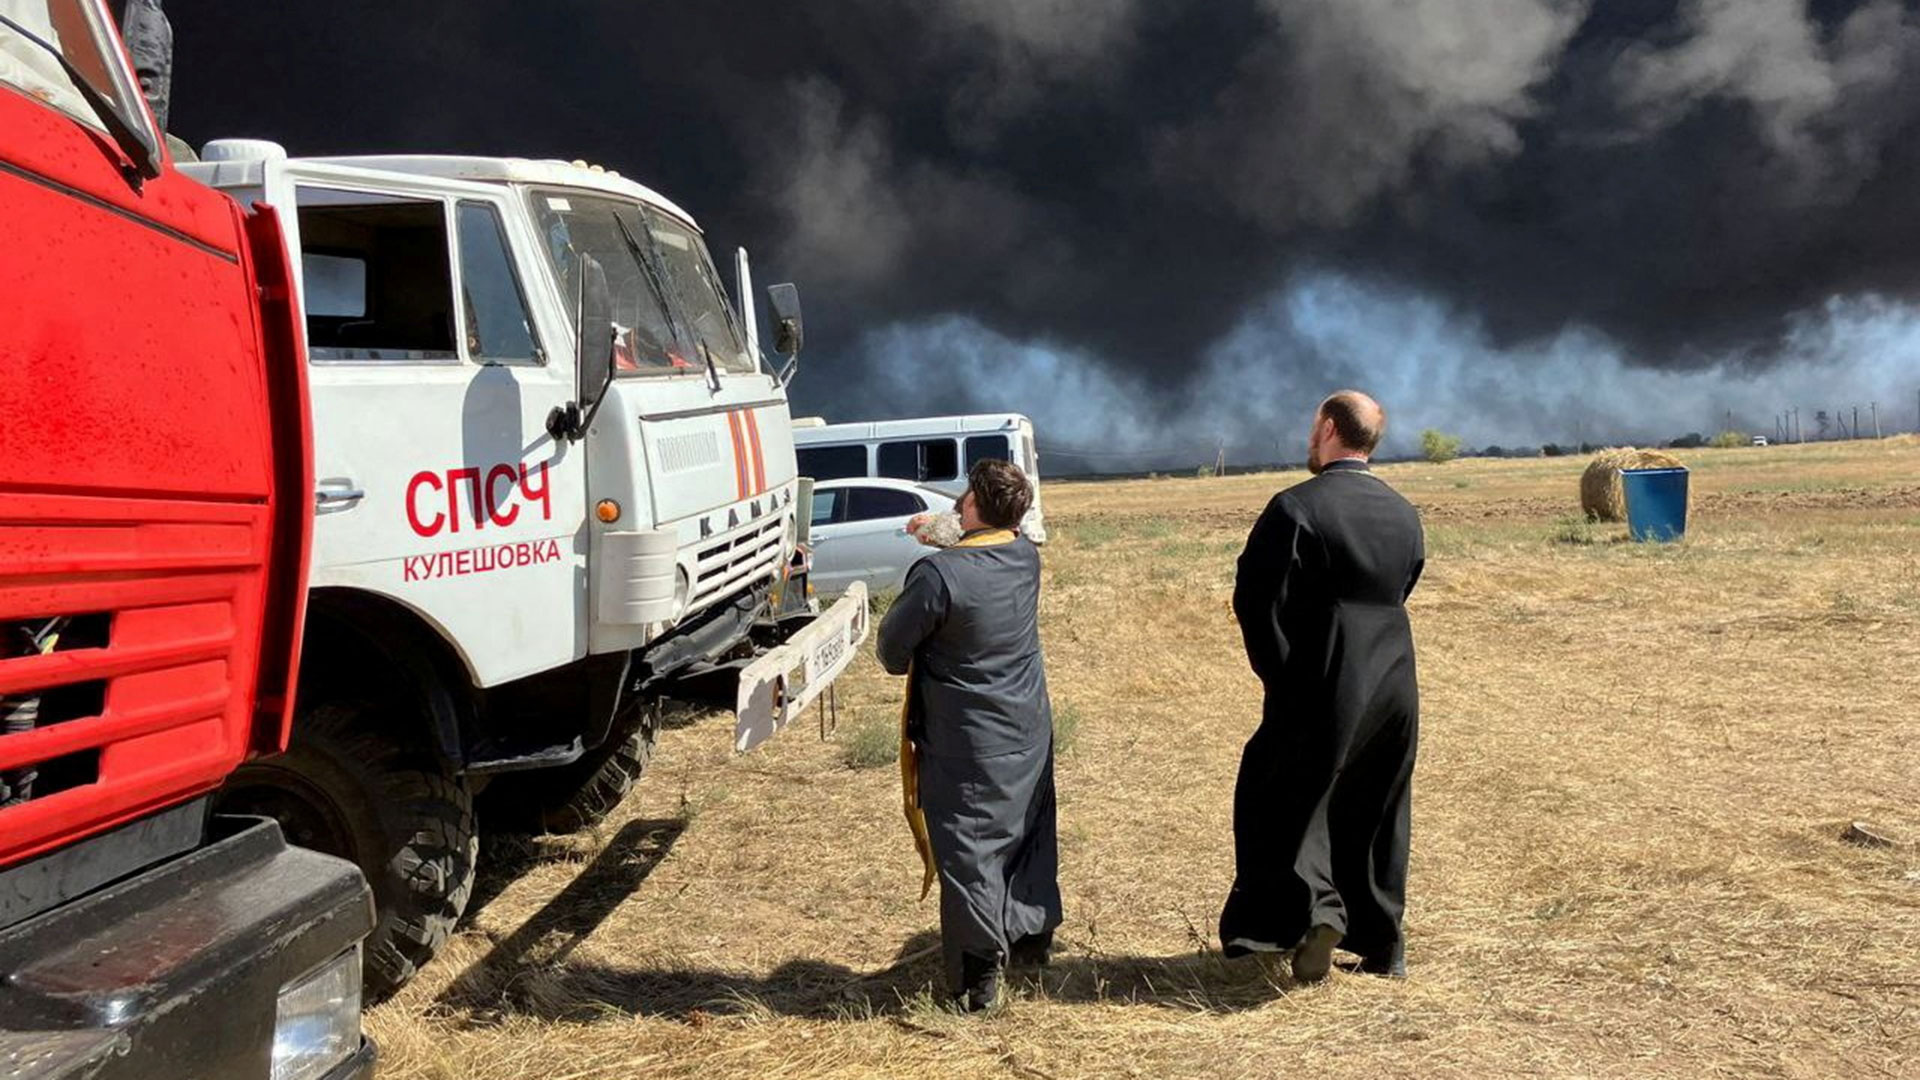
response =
{"points": [[1358, 421]]}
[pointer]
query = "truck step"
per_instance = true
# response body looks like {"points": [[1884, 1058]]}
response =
{"points": [[499, 756]]}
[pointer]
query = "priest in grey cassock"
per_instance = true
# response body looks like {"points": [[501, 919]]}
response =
{"points": [[1322, 809], [977, 737]]}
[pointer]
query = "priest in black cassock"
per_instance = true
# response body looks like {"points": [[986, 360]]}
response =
{"points": [[977, 753], [1321, 811]]}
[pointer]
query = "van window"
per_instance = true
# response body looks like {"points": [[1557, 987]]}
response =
{"points": [[921, 460], [987, 448], [499, 330], [832, 462], [405, 309]]}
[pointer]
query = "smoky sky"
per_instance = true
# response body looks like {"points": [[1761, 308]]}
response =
{"points": [[1132, 182]]}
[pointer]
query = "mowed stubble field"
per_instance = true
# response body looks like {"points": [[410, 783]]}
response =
{"points": [[1636, 764]]}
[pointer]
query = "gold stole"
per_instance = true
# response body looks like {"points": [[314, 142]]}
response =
{"points": [[910, 756]]}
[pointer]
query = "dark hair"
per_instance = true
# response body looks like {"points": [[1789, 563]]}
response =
{"points": [[1001, 494], [1357, 419]]}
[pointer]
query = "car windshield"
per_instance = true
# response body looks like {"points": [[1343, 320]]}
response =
{"points": [[35, 35], [667, 310]]}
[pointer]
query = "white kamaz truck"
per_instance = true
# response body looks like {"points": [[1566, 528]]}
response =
{"points": [[555, 486]]}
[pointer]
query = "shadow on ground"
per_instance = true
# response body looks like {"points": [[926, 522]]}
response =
{"points": [[547, 939], [820, 990], [532, 972], [506, 858]]}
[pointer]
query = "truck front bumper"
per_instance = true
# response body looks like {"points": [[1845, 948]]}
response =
{"points": [[177, 971], [779, 685]]}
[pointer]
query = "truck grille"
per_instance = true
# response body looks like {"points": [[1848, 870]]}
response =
{"points": [[33, 710], [124, 682], [737, 561]]}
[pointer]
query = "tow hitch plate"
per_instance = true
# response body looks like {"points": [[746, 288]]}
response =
{"points": [[780, 685]]}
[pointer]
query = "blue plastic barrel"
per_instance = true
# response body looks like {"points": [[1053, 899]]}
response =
{"points": [[1656, 503]]}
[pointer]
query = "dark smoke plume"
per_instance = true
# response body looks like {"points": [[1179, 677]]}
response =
{"points": [[1205, 212]]}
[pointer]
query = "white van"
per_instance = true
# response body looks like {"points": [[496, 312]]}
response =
{"points": [[936, 451]]}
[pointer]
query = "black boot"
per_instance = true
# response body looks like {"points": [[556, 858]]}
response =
{"points": [[982, 977], [1389, 965], [1033, 950]]}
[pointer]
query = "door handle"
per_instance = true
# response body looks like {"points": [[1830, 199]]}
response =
{"points": [[340, 495]]}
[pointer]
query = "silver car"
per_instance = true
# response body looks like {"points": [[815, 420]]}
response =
{"points": [[859, 531]]}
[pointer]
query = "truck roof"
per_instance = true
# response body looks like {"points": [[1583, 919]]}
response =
{"points": [[813, 435], [510, 170], [497, 170]]}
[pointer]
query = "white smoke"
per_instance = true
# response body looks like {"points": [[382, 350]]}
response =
{"points": [[1431, 366]]}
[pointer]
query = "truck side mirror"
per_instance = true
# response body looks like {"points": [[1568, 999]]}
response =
{"points": [[594, 316], [784, 300], [593, 366]]}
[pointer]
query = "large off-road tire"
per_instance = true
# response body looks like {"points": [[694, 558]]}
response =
{"points": [[572, 797], [350, 786]]}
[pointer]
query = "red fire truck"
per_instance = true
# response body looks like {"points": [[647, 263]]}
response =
{"points": [[155, 514]]}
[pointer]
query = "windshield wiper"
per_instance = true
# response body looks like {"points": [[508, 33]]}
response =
{"points": [[654, 266], [145, 162]]}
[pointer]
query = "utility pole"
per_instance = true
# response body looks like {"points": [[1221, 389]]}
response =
{"points": [[1874, 406], [1856, 422]]}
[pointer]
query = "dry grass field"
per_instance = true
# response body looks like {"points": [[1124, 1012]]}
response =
{"points": [[1636, 766]]}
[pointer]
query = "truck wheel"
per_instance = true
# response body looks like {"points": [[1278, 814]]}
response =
{"points": [[345, 788], [577, 796]]}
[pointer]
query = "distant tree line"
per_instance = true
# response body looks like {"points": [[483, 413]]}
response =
{"points": [[1692, 440], [1548, 450]]}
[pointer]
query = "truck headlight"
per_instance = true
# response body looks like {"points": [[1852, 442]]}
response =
{"points": [[316, 1023], [682, 593]]}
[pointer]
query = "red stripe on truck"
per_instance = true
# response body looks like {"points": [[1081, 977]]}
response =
{"points": [[739, 454], [759, 457]]}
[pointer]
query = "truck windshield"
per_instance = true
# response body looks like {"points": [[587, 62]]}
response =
{"points": [[668, 311], [36, 35], [697, 289]]}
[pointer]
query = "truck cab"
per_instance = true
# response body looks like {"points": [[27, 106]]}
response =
{"points": [[555, 486], [155, 510]]}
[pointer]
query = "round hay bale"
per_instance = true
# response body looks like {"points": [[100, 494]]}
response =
{"points": [[1601, 494]]}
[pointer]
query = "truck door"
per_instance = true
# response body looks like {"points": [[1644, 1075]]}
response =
{"points": [[434, 366]]}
